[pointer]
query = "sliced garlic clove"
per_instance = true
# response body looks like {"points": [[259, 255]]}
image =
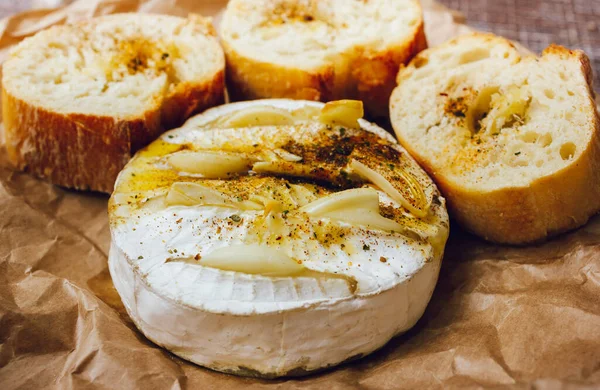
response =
{"points": [[269, 155], [359, 206], [306, 113], [368, 218], [279, 155], [160, 147], [342, 113], [259, 199], [364, 198], [284, 196], [195, 194], [272, 206], [190, 194], [120, 198], [420, 206], [147, 201], [153, 204], [209, 164], [302, 195], [324, 172], [258, 116], [250, 205], [287, 156], [252, 259], [282, 168]]}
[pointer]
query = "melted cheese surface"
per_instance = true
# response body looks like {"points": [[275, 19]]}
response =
{"points": [[267, 207]]}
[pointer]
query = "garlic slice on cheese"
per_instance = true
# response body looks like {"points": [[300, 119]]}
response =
{"points": [[209, 164], [342, 113], [287, 156], [302, 195], [283, 168], [194, 194], [190, 194], [154, 203], [258, 116], [363, 198], [252, 259], [420, 206], [369, 219], [358, 206]]}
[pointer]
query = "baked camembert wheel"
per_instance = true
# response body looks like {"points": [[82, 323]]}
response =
{"points": [[275, 237]]}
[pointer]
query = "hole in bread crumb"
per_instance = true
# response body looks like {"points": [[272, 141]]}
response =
{"points": [[420, 62], [518, 163], [530, 137], [567, 150], [506, 54], [571, 93], [549, 93], [545, 140], [563, 76], [481, 108], [515, 157], [235, 36], [494, 111], [539, 163], [412, 22], [568, 115]]}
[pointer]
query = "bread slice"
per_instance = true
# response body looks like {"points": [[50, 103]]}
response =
{"points": [[79, 100], [512, 142], [320, 50]]}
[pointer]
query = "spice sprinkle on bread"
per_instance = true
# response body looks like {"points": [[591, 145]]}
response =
{"points": [[78, 100], [320, 50], [511, 141]]}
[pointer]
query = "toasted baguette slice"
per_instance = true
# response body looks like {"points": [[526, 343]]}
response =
{"points": [[78, 100], [320, 50], [512, 142]]}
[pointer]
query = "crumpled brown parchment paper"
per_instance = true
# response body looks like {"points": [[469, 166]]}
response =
{"points": [[499, 317]]}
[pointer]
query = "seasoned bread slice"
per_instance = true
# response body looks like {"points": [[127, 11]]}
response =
{"points": [[320, 49], [512, 142], [78, 100]]}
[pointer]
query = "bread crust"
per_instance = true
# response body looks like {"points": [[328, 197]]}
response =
{"points": [[375, 75], [248, 79], [86, 152], [363, 74], [547, 206]]}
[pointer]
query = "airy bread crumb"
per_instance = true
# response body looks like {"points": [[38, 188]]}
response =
{"points": [[80, 99], [320, 50], [512, 142]]}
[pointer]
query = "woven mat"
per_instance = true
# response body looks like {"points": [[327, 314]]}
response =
{"points": [[538, 23], [535, 23]]}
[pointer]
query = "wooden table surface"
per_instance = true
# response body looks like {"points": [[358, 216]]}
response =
{"points": [[535, 23]]}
